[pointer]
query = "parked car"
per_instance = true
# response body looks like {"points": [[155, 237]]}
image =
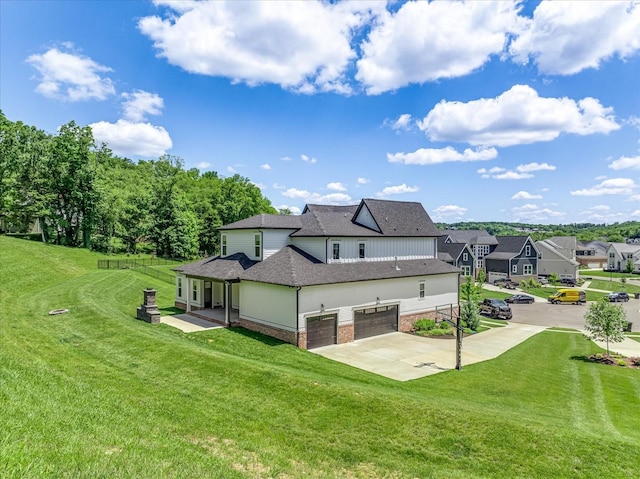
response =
{"points": [[568, 281], [575, 296], [520, 298], [496, 308], [619, 296], [543, 280], [505, 283]]}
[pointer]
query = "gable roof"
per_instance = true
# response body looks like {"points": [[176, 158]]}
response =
{"points": [[320, 222], [400, 218], [471, 237], [227, 269], [265, 222], [625, 247], [330, 208], [293, 267], [508, 247], [553, 248], [564, 242], [450, 251]]}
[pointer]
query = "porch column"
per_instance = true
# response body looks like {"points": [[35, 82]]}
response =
{"points": [[189, 286], [227, 303]]}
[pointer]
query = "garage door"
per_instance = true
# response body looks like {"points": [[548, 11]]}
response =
{"points": [[321, 330], [493, 276], [374, 321]]}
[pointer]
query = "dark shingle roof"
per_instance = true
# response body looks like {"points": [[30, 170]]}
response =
{"points": [[400, 218], [293, 267], [339, 223], [265, 221], [508, 247], [470, 237], [226, 269], [330, 209], [454, 250]]}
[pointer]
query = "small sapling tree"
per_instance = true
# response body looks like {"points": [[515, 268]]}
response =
{"points": [[469, 311], [605, 322]]}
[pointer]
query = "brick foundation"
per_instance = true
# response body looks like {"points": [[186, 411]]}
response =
{"points": [[286, 336], [302, 340], [345, 333], [407, 321]]}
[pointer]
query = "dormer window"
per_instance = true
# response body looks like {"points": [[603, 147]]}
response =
{"points": [[336, 250]]}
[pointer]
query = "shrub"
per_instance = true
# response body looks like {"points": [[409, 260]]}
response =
{"points": [[424, 324], [440, 332], [622, 362], [444, 325]]}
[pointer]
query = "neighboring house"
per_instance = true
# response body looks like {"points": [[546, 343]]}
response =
{"points": [[331, 275], [480, 242], [459, 255], [515, 257], [557, 255], [592, 254], [618, 255]]}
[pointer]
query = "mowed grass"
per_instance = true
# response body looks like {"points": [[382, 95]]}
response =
{"points": [[614, 286], [96, 393]]}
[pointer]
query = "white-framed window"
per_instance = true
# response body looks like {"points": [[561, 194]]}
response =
{"points": [[223, 248], [528, 269], [465, 256], [179, 287], [514, 268], [466, 270], [421, 290], [540, 255], [194, 291], [361, 251], [479, 264], [336, 250], [257, 245], [527, 250]]}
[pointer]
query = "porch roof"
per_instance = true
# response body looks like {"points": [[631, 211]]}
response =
{"points": [[225, 269]]}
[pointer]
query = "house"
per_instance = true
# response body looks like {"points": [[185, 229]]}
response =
{"points": [[514, 257], [592, 254], [459, 255], [620, 254], [480, 242], [332, 274], [557, 255]]}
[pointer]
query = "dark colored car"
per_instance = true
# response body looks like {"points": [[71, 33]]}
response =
{"points": [[620, 296], [568, 281], [505, 283], [520, 298], [496, 308]]}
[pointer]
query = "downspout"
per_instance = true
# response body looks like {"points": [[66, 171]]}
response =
{"points": [[298, 288], [227, 304], [326, 250]]}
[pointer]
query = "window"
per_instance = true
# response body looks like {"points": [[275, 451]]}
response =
{"points": [[479, 264], [527, 250], [465, 256], [336, 250], [361, 250], [224, 246], [195, 291], [421, 290], [466, 270], [179, 287], [612, 255], [257, 245], [528, 269], [514, 268], [540, 255]]}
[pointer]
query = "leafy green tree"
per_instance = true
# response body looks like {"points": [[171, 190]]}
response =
{"points": [[481, 278], [629, 266], [553, 279], [469, 310], [605, 322]]}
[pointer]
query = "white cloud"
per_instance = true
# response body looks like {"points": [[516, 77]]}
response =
{"points": [[491, 171], [277, 186], [426, 41], [304, 46], [517, 116], [203, 165], [524, 195], [285, 158], [600, 208], [403, 122], [600, 177], [397, 190], [363, 181], [336, 186], [308, 159], [531, 213], [133, 139], [140, 103], [231, 169], [567, 37], [529, 167], [626, 162], [634, 197], [266, 166], [433, 156], [635, 214], [69, 76], [315, 198], [294, 209], [512, 175], [447, 211], [612, 186], [260, 186]]}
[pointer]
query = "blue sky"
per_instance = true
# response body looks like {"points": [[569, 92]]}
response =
{"points": [[481, 111]]}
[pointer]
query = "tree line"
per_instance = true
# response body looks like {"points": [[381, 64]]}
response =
{"points": [[83, 195]]}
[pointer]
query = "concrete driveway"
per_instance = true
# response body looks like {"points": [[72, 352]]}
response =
{"points": [[403, 356]]}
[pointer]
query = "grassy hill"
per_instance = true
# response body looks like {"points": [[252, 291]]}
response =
{"points": [[96, 393]]}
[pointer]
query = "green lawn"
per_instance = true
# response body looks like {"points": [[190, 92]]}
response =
{"points": [[586, 273], [614, 286], [96, 393]]}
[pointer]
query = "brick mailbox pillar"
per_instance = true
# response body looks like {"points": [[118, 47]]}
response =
{"points": [[149, 311]]}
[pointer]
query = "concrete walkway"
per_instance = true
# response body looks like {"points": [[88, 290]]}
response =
{"points": [[188, 323], [402, 356], [628, 347]]}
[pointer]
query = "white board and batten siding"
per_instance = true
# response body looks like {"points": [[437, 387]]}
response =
{"points": [[268, 304], [316, 247], [241, 241], [365, 218], [382, 249], [273, 240], [440, 291]]}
